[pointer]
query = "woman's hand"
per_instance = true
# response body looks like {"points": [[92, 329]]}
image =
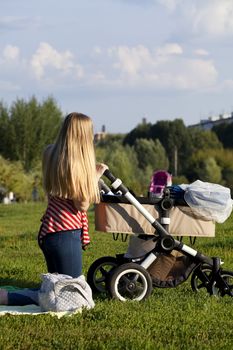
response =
{"points": [[100, 169]]}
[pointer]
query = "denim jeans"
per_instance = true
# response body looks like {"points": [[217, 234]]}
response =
{"points": [[63, 254]]}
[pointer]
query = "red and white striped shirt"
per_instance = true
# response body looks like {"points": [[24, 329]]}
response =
{"points": [[61, 215]]}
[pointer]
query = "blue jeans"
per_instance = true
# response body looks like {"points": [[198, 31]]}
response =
{"points": [[63, 254]]}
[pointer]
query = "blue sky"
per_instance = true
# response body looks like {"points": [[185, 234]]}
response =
{"points": [[120, 60]]}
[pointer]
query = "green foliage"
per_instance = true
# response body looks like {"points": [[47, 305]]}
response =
{"points": [[173, 136], [173, 318], [224, 131], [179, 142], [204, 140], [151, 153], [216, 165], [122, 161], [13, 178], [178, 180], [205, 167], [141, 131], [26, 128]]}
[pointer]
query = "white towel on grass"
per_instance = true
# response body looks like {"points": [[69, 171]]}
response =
{"points": [[33, 310]]}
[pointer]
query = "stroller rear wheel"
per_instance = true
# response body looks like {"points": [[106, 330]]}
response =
{"points": [[130, 282], [98, 273], [227, 289], [220, 285]]}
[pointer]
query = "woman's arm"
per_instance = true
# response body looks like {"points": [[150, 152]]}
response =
{"points": [[84, 205], [100, 169]]}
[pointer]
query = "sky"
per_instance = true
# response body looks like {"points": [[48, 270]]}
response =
{"points": [[120, 61]]}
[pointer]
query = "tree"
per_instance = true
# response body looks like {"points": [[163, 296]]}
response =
{"points": [[5, 132], [205, 168], [122, 161], [174, 137], [224, 132], [151, 153], [141, 131], [13, 178], [203, 140], [30, 127]]}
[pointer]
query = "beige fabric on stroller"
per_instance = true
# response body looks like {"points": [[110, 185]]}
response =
{"points": [[125, 218]]}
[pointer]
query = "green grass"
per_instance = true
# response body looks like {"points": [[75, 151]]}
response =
{"points": [[169, 319]]}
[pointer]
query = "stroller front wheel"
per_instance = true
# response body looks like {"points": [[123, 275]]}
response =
{"points": [[98, 273], [130, 282]]}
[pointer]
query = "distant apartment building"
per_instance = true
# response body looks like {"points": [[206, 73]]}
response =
{"points": [[207, 124]]}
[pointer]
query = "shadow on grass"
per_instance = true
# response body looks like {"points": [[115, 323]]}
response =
{"points": [[19, 283]]}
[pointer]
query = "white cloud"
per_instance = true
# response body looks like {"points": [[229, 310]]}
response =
{"points": [[169, 4], [11, 52], [213, 17], [136, 67], [130, 60], [201, 52], [170, 49], [165, 67], [46, 57], [194, 74], [208, 17]]}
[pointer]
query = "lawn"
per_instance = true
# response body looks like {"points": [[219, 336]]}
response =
{"points": [[170, 319]]}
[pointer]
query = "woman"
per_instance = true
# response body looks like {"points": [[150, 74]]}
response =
{"points": [[70, 179]]}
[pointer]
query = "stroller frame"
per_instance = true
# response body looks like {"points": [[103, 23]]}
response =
{"points": [[129, 279]]}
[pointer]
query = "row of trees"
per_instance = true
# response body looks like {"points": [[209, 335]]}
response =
{"points": [[188, 153], [25, 128]]}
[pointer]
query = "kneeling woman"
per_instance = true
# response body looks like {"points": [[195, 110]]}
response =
{"points": [[70, 178]]}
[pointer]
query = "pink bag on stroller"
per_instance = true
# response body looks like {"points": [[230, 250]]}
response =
{"points": [[160, 179]]}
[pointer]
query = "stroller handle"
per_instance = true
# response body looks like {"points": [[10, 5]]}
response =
{"points": [[116, 183], [109, 175]]}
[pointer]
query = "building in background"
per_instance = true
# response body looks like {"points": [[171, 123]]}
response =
{"points": [[207, 124], [101, 135]]}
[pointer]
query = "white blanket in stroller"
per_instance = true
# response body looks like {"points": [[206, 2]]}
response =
{"points": [[208, 201]]}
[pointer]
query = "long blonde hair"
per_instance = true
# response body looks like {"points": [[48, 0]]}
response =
{"points": [[69, 168]]}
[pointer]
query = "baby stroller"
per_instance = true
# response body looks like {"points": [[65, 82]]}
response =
{"points": [[133, 278]]}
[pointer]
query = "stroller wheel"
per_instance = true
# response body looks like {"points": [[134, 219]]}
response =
{"points": [[221, 285], [226, 288], [130, 282], [201, 278], [98, 273]]}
